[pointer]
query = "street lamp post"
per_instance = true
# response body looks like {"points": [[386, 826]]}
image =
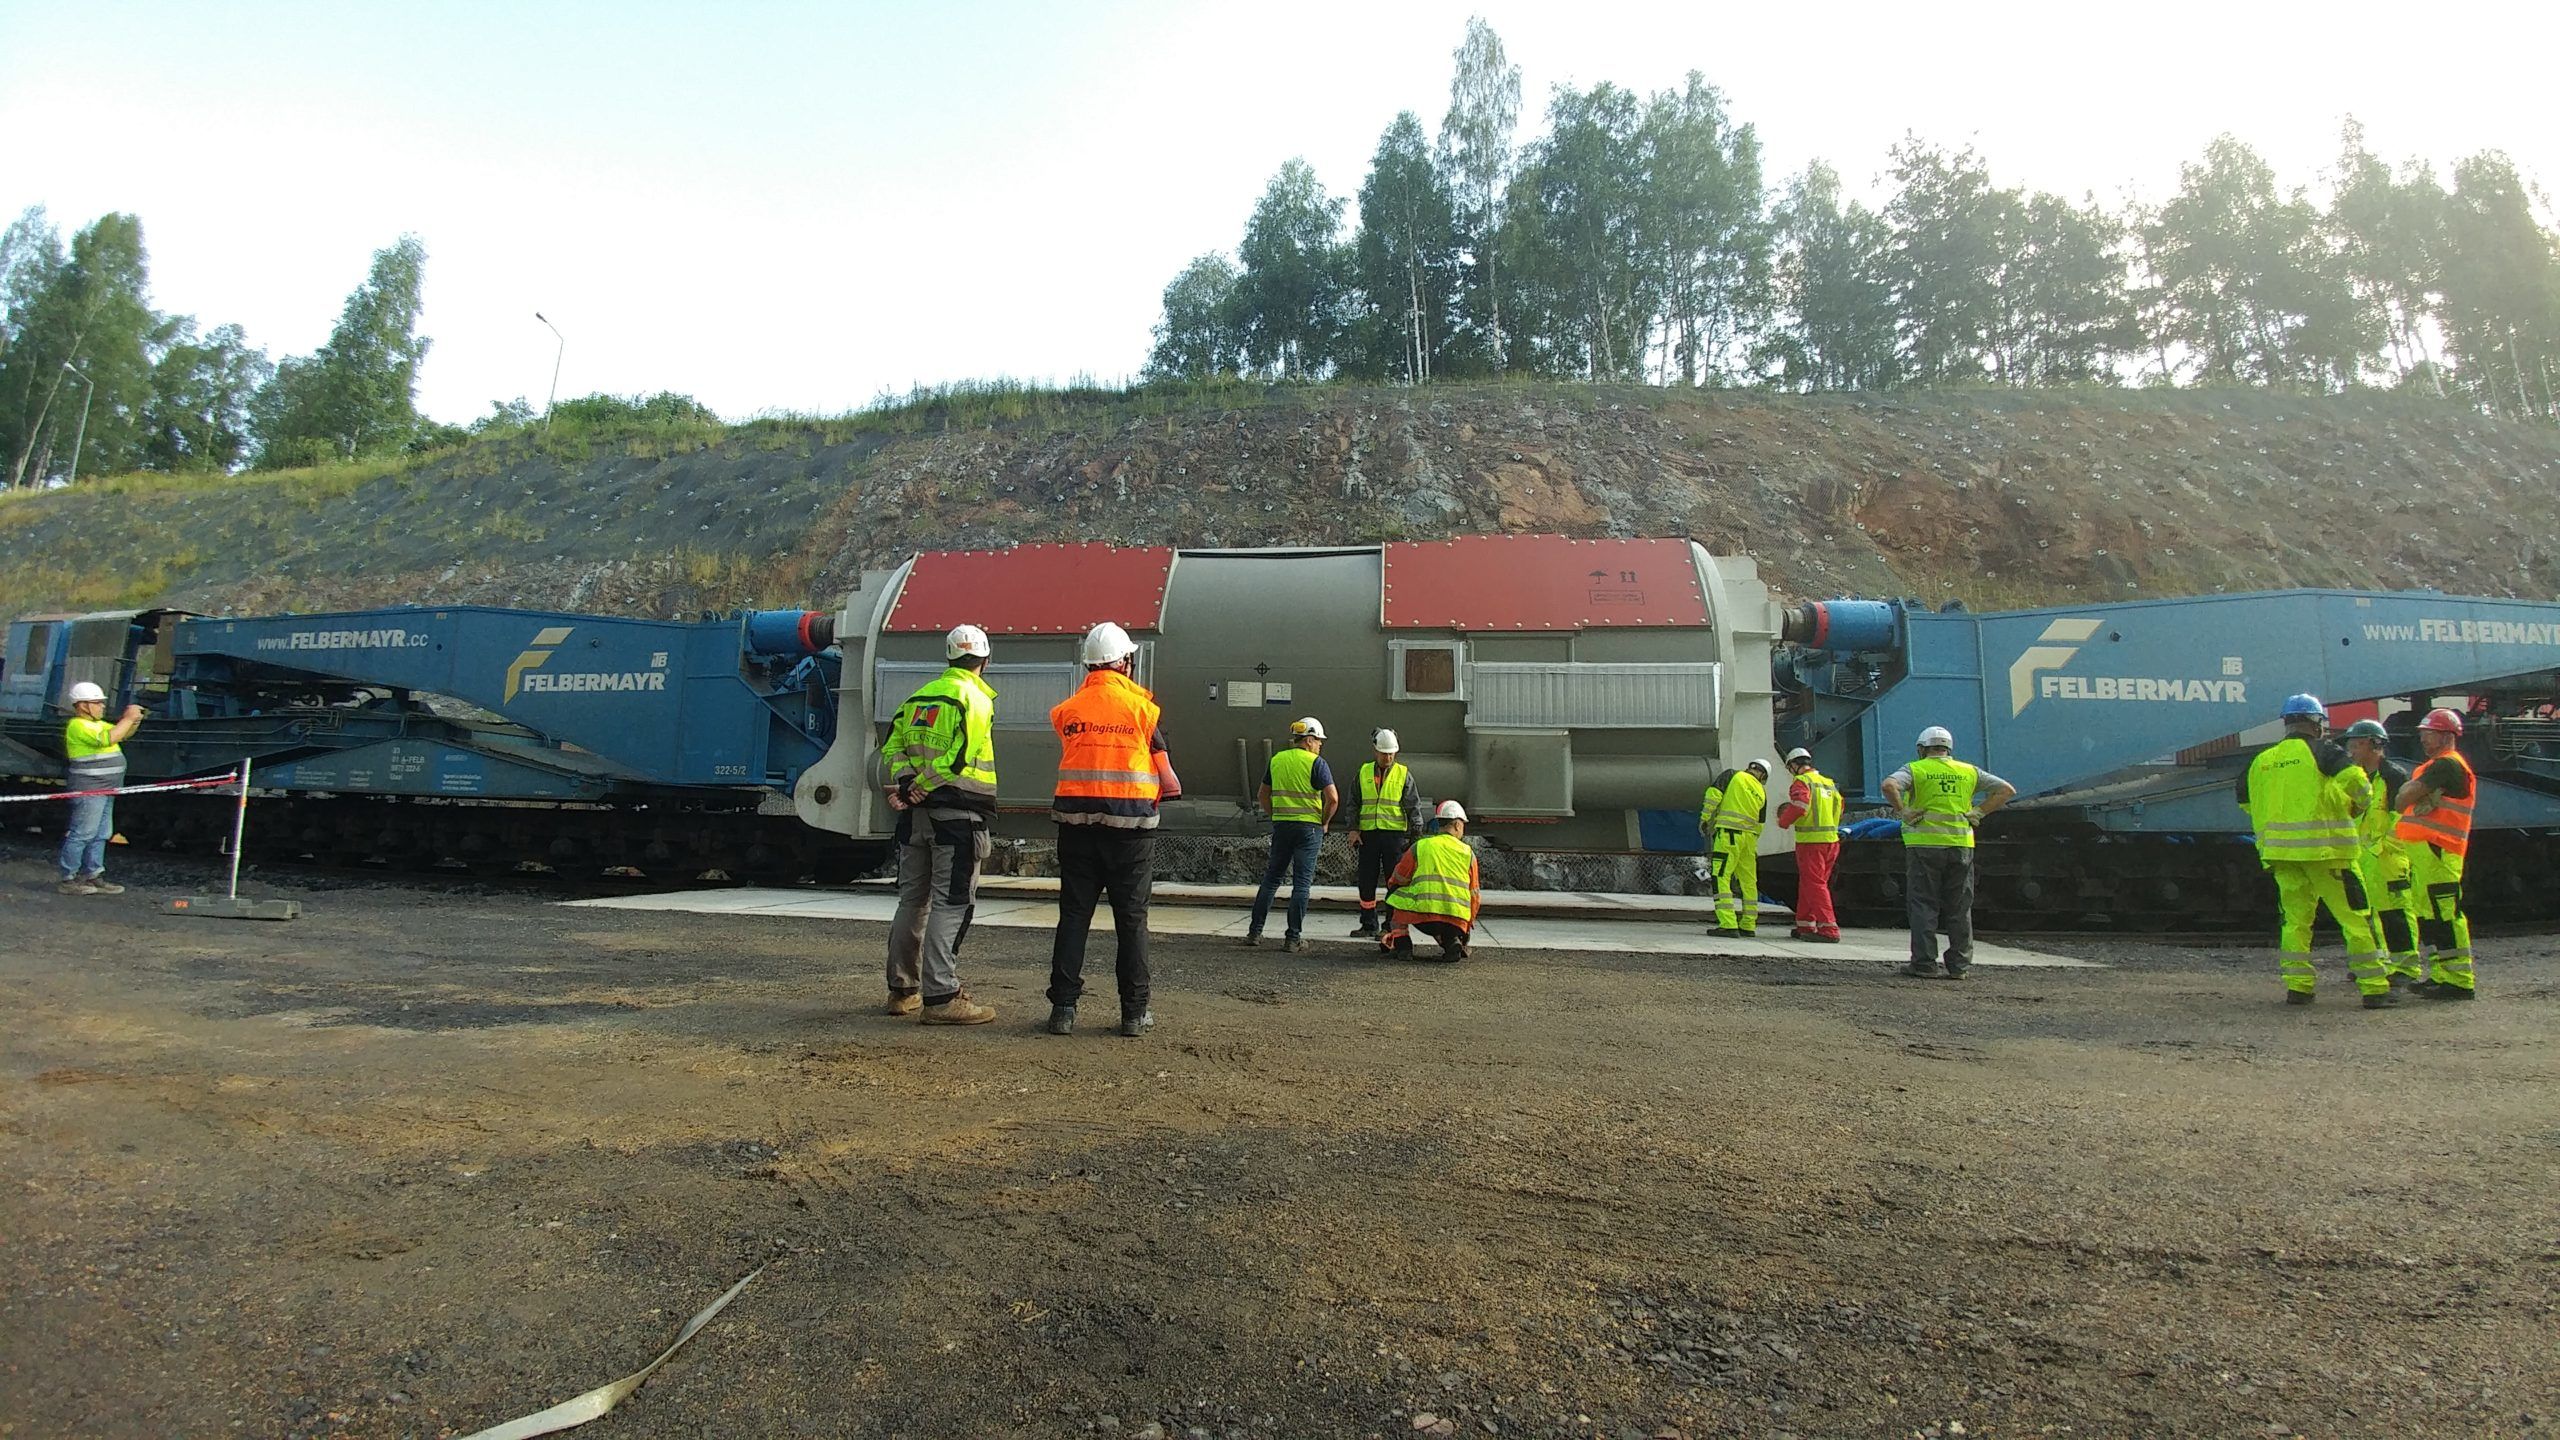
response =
{"points": [[81, 435], [556, 356]]}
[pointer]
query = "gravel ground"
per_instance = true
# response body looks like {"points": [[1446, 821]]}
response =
{"points": [[430, 1158]]}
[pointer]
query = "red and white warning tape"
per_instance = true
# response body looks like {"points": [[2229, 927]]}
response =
{"points": [[218, 782]]}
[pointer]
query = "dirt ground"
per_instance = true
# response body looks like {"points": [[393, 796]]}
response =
{"points": [[424, 1160]]}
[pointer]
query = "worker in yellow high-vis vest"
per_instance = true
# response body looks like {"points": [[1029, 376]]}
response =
{"points": [[1736, 804], [1437, 889], [1813, 812], [2303, 795], [1299, 795], [1939, 800], [2382, 857]]}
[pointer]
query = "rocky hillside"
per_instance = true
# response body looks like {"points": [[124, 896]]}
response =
{"points": [[1996, 498]]}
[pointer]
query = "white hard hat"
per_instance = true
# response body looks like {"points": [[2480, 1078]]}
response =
{"points": [[1799, 753], [1450, 810], [1756, 763], [1106, 644], [1936, 737], [1386, 742], [1310, 728], [964, 640], [87, 690]]}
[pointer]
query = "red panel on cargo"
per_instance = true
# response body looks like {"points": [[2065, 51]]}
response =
{"points": [[1034, 589], [1541, 582]]}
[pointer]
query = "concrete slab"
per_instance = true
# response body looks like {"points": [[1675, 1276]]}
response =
{"points": [[1624, 924]]}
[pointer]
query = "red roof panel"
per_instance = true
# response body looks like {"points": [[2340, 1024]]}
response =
{"points": [[1541, 582], [1034, 589]]}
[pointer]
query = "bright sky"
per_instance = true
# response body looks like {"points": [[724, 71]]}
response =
{"points": [[777, 206]]}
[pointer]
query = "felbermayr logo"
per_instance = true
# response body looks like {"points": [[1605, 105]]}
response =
{"points": [[2031, 677], [534, 658], [527, 672]]}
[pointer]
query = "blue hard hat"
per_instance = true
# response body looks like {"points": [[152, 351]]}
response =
{"points": [[2307, 706]]}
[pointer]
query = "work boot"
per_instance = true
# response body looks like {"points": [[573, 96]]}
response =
{"points": [[103, 886], [2297, 997], [1062, 1019], [1453, 950], [75, 886], [2381, 1000], [1136, 1025], [1918, 971], [1825, 939], [2442, 991], [1367, 929], [1299, 947], [958, 1010], [1403, 948], [1958, 972], [902, 1002], [1253, 939], [1727, 932]]}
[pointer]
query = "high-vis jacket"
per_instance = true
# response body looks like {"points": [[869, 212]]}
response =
{"points": [[1107, 772], [1813, 808], [1735, 800], [1294, 796], [2447, 824], [2295, 810], [943, 742], [97, 761], [1442, 883], [1942, 793], [1382, 802]]}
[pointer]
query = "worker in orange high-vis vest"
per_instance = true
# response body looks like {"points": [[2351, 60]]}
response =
{"points": [[2435, 823], [1437, 889], [1813, 812], [1113, 772]]}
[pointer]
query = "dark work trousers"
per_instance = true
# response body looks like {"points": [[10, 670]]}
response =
{"points": [[1379, 852], [1938, 880], [1093, 861]]}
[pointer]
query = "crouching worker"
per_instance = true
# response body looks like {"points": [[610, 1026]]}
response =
{"points": [[1436, 888]]}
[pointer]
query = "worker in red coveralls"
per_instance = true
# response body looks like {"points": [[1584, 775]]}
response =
{"points": [[1813, 811], [1436, 889]]}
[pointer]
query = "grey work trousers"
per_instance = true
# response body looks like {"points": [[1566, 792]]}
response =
{"points": [[938, 865], [1937, 880]]}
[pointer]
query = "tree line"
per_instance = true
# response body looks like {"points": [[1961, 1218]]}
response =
{"points": [[1636, 240], [91, 375]]}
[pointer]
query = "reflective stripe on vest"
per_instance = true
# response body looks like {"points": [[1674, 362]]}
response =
{"points": [[1942, 793], [1820, 822], [1106, 770], [1382, 807], [2297, 812], [2447, 824], [1443, 882], [1741, 804], [83, 738], [945, 736], [1294, 799]]}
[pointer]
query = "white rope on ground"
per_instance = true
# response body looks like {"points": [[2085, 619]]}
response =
{"points": [[579, 1411], [218, 782]]}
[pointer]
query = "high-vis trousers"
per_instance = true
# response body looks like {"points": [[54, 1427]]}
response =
{"points": [[1735, 868], [1814, 864], [2435, 878], [2384, 868], [2302, 887]]}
